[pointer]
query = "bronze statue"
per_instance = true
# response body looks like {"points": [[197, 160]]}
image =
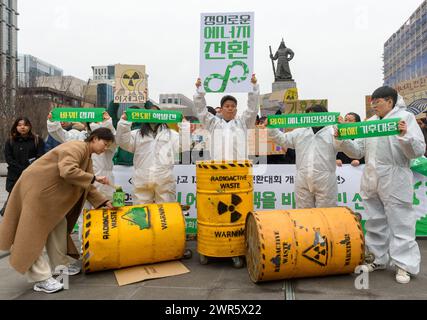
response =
{"points": [[283, 56]]}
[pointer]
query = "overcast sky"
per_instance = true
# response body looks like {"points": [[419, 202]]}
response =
{"points": [[338, 44]]}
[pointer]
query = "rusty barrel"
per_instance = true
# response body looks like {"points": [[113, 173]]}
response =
{"points": [[285, 244], [132, 235]]}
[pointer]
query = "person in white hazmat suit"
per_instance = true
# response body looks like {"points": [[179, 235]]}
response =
{"points": [[102, 163], [387, 186], [316, 151], [156, 149], [228, 133]]}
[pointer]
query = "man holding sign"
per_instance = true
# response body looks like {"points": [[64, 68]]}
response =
{"points": [[387, 184], [228, 133]]}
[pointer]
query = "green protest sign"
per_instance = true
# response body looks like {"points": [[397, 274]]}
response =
{"points": [[301, 120], [419, 165], [78, 114], [368, 129], [153, 116]]}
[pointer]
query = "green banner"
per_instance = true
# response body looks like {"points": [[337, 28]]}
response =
{"points": [[78, 114], [153, 116], [368, 129], [301, 120], [419, 165]]}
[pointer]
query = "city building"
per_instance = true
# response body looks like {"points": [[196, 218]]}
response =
{"points": [[104, 95], [177, 102], [103, 72], [405, 54], [30, 68], [67, 84], [8, 50]]}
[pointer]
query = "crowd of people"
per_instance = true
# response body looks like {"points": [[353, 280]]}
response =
{"points": [[49, 183]]}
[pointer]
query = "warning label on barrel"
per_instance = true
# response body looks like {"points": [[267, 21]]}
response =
{"points": [[230, 234], [139, 217], [229, 182], [282, 252], [318, 252]]}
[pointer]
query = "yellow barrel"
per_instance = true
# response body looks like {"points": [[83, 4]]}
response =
{"points": [[224, 199], [284, 244], [132, 235]]}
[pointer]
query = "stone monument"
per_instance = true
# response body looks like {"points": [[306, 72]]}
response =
{"points": [[282, 74]]}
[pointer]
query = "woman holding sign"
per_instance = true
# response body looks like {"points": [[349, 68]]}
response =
{"points": [[155, 148], [387, 186], [44, 206], [316, 151]]}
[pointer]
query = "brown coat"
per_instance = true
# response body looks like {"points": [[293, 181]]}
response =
{"points": [[53, 187]]}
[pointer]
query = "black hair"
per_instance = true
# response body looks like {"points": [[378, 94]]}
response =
{"points": [[316, 108], [228, 98], [146, 129], [14, 132], [385, 92], [355, 115], [102, 134], [211, 110]]}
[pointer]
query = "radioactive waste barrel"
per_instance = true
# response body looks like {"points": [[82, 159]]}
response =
{"points": [[132, 235], [284, 244], [224, 199]]}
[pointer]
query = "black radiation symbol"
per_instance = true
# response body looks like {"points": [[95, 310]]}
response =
{"points": [[135, 76], [223, 208]]}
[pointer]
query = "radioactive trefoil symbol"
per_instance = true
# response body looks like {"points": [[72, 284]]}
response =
{"points": [[139, 217], [318, 252], [224, 208], [131, 79]]}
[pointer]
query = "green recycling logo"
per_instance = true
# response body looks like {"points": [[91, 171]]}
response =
{"points": [[226, 77]]}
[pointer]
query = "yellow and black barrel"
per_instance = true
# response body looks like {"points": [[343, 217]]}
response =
{"points": [[284, 244], [224, 199], [132, 235]]}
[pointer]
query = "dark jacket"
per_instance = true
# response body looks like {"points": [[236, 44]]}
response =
{"points": [[19, 154]]}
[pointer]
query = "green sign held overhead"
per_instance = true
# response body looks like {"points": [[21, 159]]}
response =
{"points": [[78, 114], [153, 116], [368, 129], [301, 120]]}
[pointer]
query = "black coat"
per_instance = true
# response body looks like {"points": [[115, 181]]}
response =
{"points": [[19, 154]]}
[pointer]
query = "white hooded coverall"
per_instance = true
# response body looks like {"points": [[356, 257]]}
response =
{"points": [[154, 158], [228, 139], [315, 181], [387, 191]]}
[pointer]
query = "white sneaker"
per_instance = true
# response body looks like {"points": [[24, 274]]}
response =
{"points": [[402, 276], [71, 270], [50, 285], [375, 266]]}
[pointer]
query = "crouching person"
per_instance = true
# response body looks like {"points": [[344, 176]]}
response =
{"points": [[44, 206]]}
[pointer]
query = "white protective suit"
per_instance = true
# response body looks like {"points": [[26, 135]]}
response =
{"points": [[228, 139], [102, 163], [154, 158], [387, 191], [315, 181]]}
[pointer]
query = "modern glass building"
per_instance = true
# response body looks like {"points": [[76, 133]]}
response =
{"points": [[30, 68], [8, 48], [405, 52]]}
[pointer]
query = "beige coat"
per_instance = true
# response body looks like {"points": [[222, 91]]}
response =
{"points": [[53, 187]]}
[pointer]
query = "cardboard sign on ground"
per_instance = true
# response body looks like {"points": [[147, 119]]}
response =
{"points": [[149, 271]]}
